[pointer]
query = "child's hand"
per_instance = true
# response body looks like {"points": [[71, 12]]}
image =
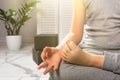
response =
{"points": [[74, 54], [51, 59]]}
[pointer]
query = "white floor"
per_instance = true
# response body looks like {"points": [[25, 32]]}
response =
{"points": [[18, 65]]}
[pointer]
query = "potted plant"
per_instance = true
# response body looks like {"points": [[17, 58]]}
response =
{"points": [[14, 20]]}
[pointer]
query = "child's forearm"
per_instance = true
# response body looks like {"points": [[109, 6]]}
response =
{"points": [[70, 37], [97, 60]]}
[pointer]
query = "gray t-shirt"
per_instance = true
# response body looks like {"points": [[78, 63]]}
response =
{"points": [[102, 28], [102, 31]]}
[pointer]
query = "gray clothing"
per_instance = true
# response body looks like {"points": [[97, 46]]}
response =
{"points": [[102, 31], [77, 72], [102, 28], [102, 36], [111, 70]]}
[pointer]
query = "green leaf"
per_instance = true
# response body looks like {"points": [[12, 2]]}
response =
{"points": [[12, 12], [2, 13], [1, 18], [20, 12]]}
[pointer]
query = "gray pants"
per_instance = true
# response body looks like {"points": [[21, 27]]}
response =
{"points": [[111, 68], [75, 72]]}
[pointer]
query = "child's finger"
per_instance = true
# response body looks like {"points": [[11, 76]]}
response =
{"points": [[43, 64], [45, 52], [47, 70]]}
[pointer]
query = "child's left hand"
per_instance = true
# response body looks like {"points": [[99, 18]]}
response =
{"points": [[74, 54]]}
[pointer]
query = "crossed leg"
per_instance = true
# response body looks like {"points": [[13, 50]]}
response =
{"points": [[75, 72]]}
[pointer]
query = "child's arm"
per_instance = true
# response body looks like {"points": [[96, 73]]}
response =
{"points": [[78, 20]]}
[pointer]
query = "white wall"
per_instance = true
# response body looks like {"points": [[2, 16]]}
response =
{"points": [[2, 34], [28, 31]]}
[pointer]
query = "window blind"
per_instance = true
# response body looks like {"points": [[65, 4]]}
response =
{"points": [[56, 17], [47, 21], [65, 10]]}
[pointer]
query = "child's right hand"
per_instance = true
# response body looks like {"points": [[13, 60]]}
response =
{"points": [[51, 59]]}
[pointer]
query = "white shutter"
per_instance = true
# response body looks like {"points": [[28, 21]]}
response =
{"points": [[65, 17], [47, 22], [56, 14]]}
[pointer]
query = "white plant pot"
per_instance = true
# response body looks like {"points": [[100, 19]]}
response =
{"points": [[14, 42]]}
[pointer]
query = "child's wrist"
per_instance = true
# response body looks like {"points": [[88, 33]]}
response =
{"points": [[96, 60]]}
